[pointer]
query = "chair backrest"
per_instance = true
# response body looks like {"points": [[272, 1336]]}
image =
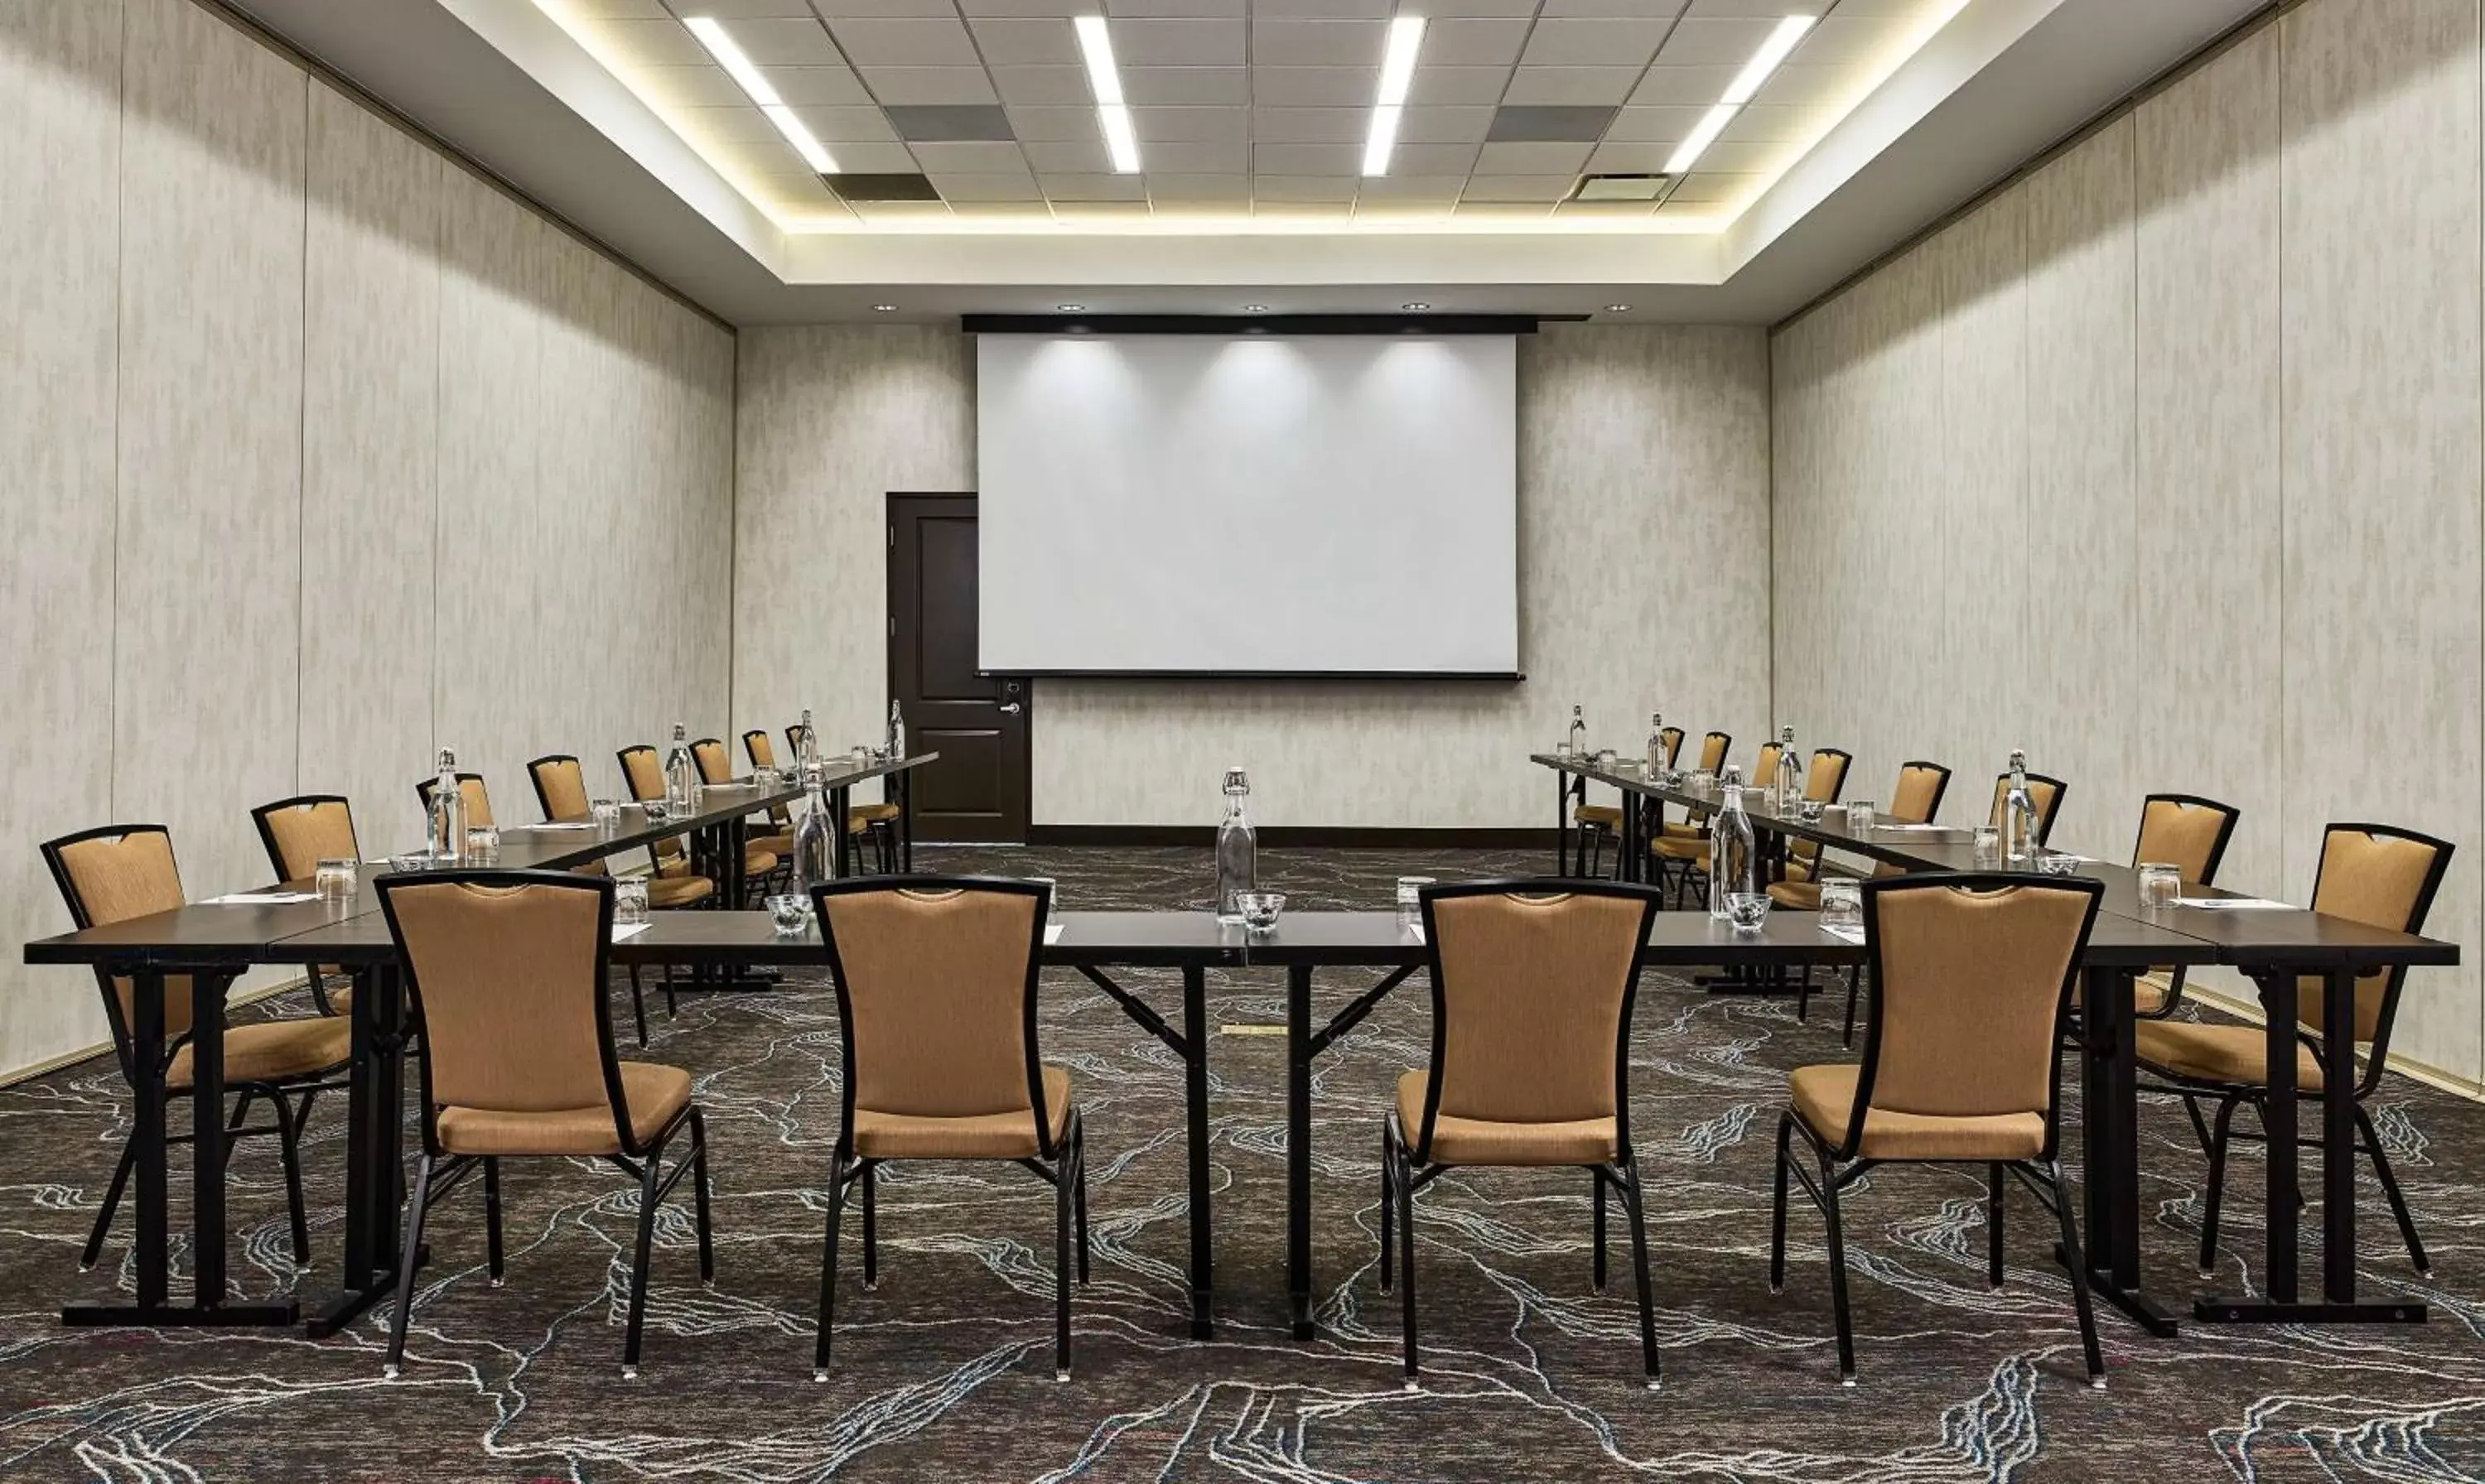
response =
{"points": [[560, 787], [1671, 739], [111, 874], [2382, 877], [1918, 797], [1823, 781], [1532, 990], [1713, 751], [479, 799], [1970, 981], [2185, 831], [506, 969], [642, 772], [2046, 794], [304, 830], [715, 763], [761, 749], [1765, 767], [936, 985]]}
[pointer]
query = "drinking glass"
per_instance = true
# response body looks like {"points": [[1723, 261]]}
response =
{"points": [[484, 844], [1606, 759], [1747, 910], [629, 901], [1987, 846], [1810, 810], [606, 813], [790, 912], [1562, 748], [337, 880], [410, 862], [2159, 883], [1842, 904], [1859, 816]]}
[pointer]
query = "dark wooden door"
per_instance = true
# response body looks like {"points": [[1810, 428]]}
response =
{"points": [[977, 791]]}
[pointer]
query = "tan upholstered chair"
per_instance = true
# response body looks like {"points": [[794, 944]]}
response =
{"points": [[2189, 833], [1532, 990], [1599, 823], [2046, 794], [644, 774], [1825, 782], [936, 993], [561, 792], [1916, 801], [506, 973], [1675, 849], [124, 871], [479, 799], [716, 766], [1971, 981], [876, 823], [298, 833], [2372, 874]]}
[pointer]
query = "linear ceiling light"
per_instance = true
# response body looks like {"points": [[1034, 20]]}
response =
{"points": [[737, 64], [1096, 46], [1747, 83], [1397, 74]]}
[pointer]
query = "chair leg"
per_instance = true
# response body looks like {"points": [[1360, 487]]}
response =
{"points": [[2217, 1190], [1598, 1181], [1803, 997], [1407, 1259], [233, 1122], [1837, 1271], [870, 1227], [2079, 1270], [1993, 1177], [699, 1198], [639, 1004], [828, 1268], [492, 1218], [1064, 1174], [1777, 1214], [111, 1202], [2391, 1188], [289, 1148], [1630, 1194], [1854, 982], [650, 1169], [409, 1256], [1079, 1194], [1388, 1203]]}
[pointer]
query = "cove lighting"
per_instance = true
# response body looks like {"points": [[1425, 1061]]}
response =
{"points": [[1390, 106], [1096, 46], [728, 55]]}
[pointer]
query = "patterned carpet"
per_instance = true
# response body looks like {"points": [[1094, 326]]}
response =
{"points": [[944, 1373]]}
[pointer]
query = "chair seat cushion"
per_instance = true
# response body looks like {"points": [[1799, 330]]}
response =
{"points": [[340, 993], [672, 865], [1682, 848], [268, 1050], [1797, 870], [2150, 992], [756, 861], [675, 891], [1796, 896], [1485, 1141], [977, 1136], [1602, 815], [653, 1092], [2199, 1052], [1824, 1098], [1681, 831], [779, 843], [863, 816]]}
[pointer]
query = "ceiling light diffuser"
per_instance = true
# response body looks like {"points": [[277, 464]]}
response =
{"points": [[1096, 46], [1773, 51], [737, 64], [1388, 106], [1701, 137]]}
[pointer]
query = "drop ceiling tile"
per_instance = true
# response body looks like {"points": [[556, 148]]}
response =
{"points": [[1457, 159], [784, 42], [899, 210], [1687, 211], [1773, 9], [1844, 40], [722, 10], [1367, 209], [1444, 126], [1117, 9], [1304, 210], [1100, 210], [1034, 124], [1641, 9], [1044, 87], [1314, 87], [1798, 85], [975, 8], [1503, 211], [1474, 41], [1073, 156], [950, 123], [1018, 41], [834, 11], [885, 41], [1219, 208], [1309, 125], [1030, 212], [1655, 125], [1302, 188], [1577, 85], [1576, 43], [1743, 158], [1532, 159], [724, 124], [1281, 160], [1682, 87], [1469, 85], [689, 87], [1517, 188], [666, 43], [1412, 187], [1710, 186], [1603, 208], [1613, 158], [968, 159], [644, 10], [1187, 86], [999, 185], [1714, 41], [1325, 42], [801, 84], [863, 159], [1327, 10], [1199, 157], [771, 160], [1059, 186], [1451, 10], [1763, 125], [848, 125], [901, 85], [1174, 185], [1179, 43], [1525, 123], [1203, 125]]}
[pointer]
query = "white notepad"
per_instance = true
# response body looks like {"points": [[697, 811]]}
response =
{"points": [[558, 824], [1052, 933], [1415, 931], [261, 899], [2235, 904], [622, 931], [1854, 936]]}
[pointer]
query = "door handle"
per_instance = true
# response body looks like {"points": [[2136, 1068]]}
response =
{"points": [[1011, 710]]}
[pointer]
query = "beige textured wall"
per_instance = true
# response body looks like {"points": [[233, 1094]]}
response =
{"points": [[1643, 579], [318, 453], [2184, 430]]}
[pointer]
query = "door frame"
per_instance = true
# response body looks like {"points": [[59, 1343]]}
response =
{"points": [[889, 638]]}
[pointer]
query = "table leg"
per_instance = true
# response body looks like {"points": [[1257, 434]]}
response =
{"points": [[207, 1139], [2110, 1148], [147, 1051], [1195, 1077], [2337, 1137], [838, 811], [905, 784], [374, 1166], [735, 849], [1298, 1146], [2277, 1117], [1626, 841], [1561, 822]]}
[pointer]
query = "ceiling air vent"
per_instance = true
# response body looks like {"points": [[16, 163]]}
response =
{"points": [[1623, 187], [876, 188]]}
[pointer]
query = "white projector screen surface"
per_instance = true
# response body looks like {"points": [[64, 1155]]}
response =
{"points": [[1247, 504]]}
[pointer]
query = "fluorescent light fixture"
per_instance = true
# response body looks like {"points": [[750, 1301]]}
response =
{"points": [[1766, 61], [712, 34], [1397, 75], [1701, 137], [1096, 46]]}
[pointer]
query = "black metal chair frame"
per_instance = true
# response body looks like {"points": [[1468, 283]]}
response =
{"points": [[438, 1173], [1406, 1165], [1839, 1165], [1060, 1164]]}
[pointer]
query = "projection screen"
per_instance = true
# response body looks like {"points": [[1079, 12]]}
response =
{"points": [[1249, 504]]}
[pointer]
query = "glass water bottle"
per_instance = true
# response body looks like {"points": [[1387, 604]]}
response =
{"points": [[681, 773], [2019, 828], [447, 823], [1734, 851], [1578, 734], [1237, 850], [896, 731], [1656, 745], [815, 846], [1789, 779], [806, 748]]}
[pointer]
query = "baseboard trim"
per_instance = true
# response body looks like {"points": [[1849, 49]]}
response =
{"points": [[45, 1068], [1344, 837], [2431, 1076]]}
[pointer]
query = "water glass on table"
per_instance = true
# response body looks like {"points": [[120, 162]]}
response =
{"points": [[1987, 846], [606, 813], [1860, 816], [1841, 902], [629, 901], [482, 845], [336, 880], [2159, 884]]}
